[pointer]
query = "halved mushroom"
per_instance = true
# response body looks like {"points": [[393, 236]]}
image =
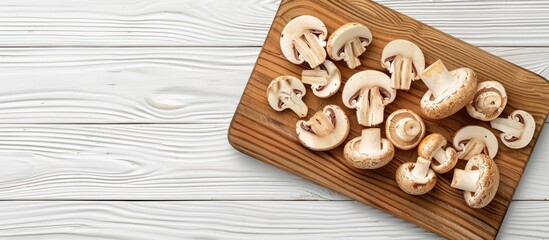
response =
{"points": [[329, 74], [349, 42], [518, 129], [416, 178], [369, 92], [448, 91], [405, 62], [479, 181], [488, 101], [326, 130], [405, 129], [433, 147], [287, 92], [473, 140], [369, 151], [303, 40]]}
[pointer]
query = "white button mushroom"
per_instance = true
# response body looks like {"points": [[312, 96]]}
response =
{"points": [[369, 151], [369, 92], [287, 92], [303, 40], [479, 181], [448, 91], [518, 129], [488, 101], [473, 140], [433, 147], [405, 62], [326, 130], [405, 129], [416, 178], [326, 73], [349, 42]]}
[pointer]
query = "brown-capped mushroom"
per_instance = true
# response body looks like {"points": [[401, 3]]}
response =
{"points": [[479, 181], [405, 62], [473, 140], [303, 40], [434, 147], [349, 42], [488, 101], [416, 178], [517, 129], [326, 73], [405, 129], [448, 91], [326, 130], [369, 151], [287, 92], [369, 92]]}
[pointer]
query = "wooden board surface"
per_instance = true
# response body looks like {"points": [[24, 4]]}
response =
{"points": [[262, 133]]}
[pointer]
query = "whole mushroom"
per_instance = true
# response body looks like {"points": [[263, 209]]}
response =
{"points": [[473, 140], [369, 151], [434, 147], [404, 129], [416, 178], [329, 74], [326, 130], [488, 101], [287, 92], [517, 129], [479, 180], [405, 62], [303, 40], [349, 42]]}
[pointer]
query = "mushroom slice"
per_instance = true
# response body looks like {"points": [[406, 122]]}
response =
{"points": [[434, 147], [479, 181], [303, 40], [405, 62], [326, 130], [473, 140], [405, 129], [416, 178], [488, 101], [349, 42], [287, 92], [448, 91], [369, 92], [518, 129], [333, 79], [369, 151]]}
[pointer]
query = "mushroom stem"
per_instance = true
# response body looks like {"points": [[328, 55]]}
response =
{"points": [[309, 47], [466, 180], [401, 72], [407, 128], [370, 141], [315, 77], [440, 156], [509, 126], [295, 103], [488, 102], [321, 124], [351, 51], [438, 79], [370, 107], [421, 168], [472, 148]]}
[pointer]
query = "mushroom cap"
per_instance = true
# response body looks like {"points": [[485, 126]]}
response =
{"points": [[281, 84], [334, 81], [433, 143], [452, 101], [404, 48], [294, 29], [344, 34], [390, 129], [368, 161], [482, 88], [367, 79], [412, 185], [463, 135], [529, 127], [329, 141], [488, 182]]}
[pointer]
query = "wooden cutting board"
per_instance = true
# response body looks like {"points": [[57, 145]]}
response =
{"points": [[259, 131]]}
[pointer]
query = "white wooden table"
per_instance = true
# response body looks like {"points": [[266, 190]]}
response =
{"points": [[86, 152]]}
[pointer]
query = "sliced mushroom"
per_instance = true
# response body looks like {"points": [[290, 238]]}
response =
{"points": [[369, 151], [303, 40], [405, 62], [518, 129], [434, 147], [473, 140], [488, 101], [416, 178], [369, 92], [332, 80], [287, 92], [405, 129], [326, 130], [448, 91], [349, 42], [479, 181]]}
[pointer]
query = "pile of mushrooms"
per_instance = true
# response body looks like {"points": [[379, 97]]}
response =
{"points": [[303, 39]]}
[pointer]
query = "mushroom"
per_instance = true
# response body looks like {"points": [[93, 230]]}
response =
{"points": [[328, 71], [369, 151], [518, 129], [479, 181], [473, 140], [433, 147], [326, 130], [286, 92], [303, 40], [405, 62], [349, 42], [405, 129], [369, 92], [488, 101], [448, 91], [416, 178]]}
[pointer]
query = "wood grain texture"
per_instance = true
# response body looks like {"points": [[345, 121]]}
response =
{"points": [[260, 132]]}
